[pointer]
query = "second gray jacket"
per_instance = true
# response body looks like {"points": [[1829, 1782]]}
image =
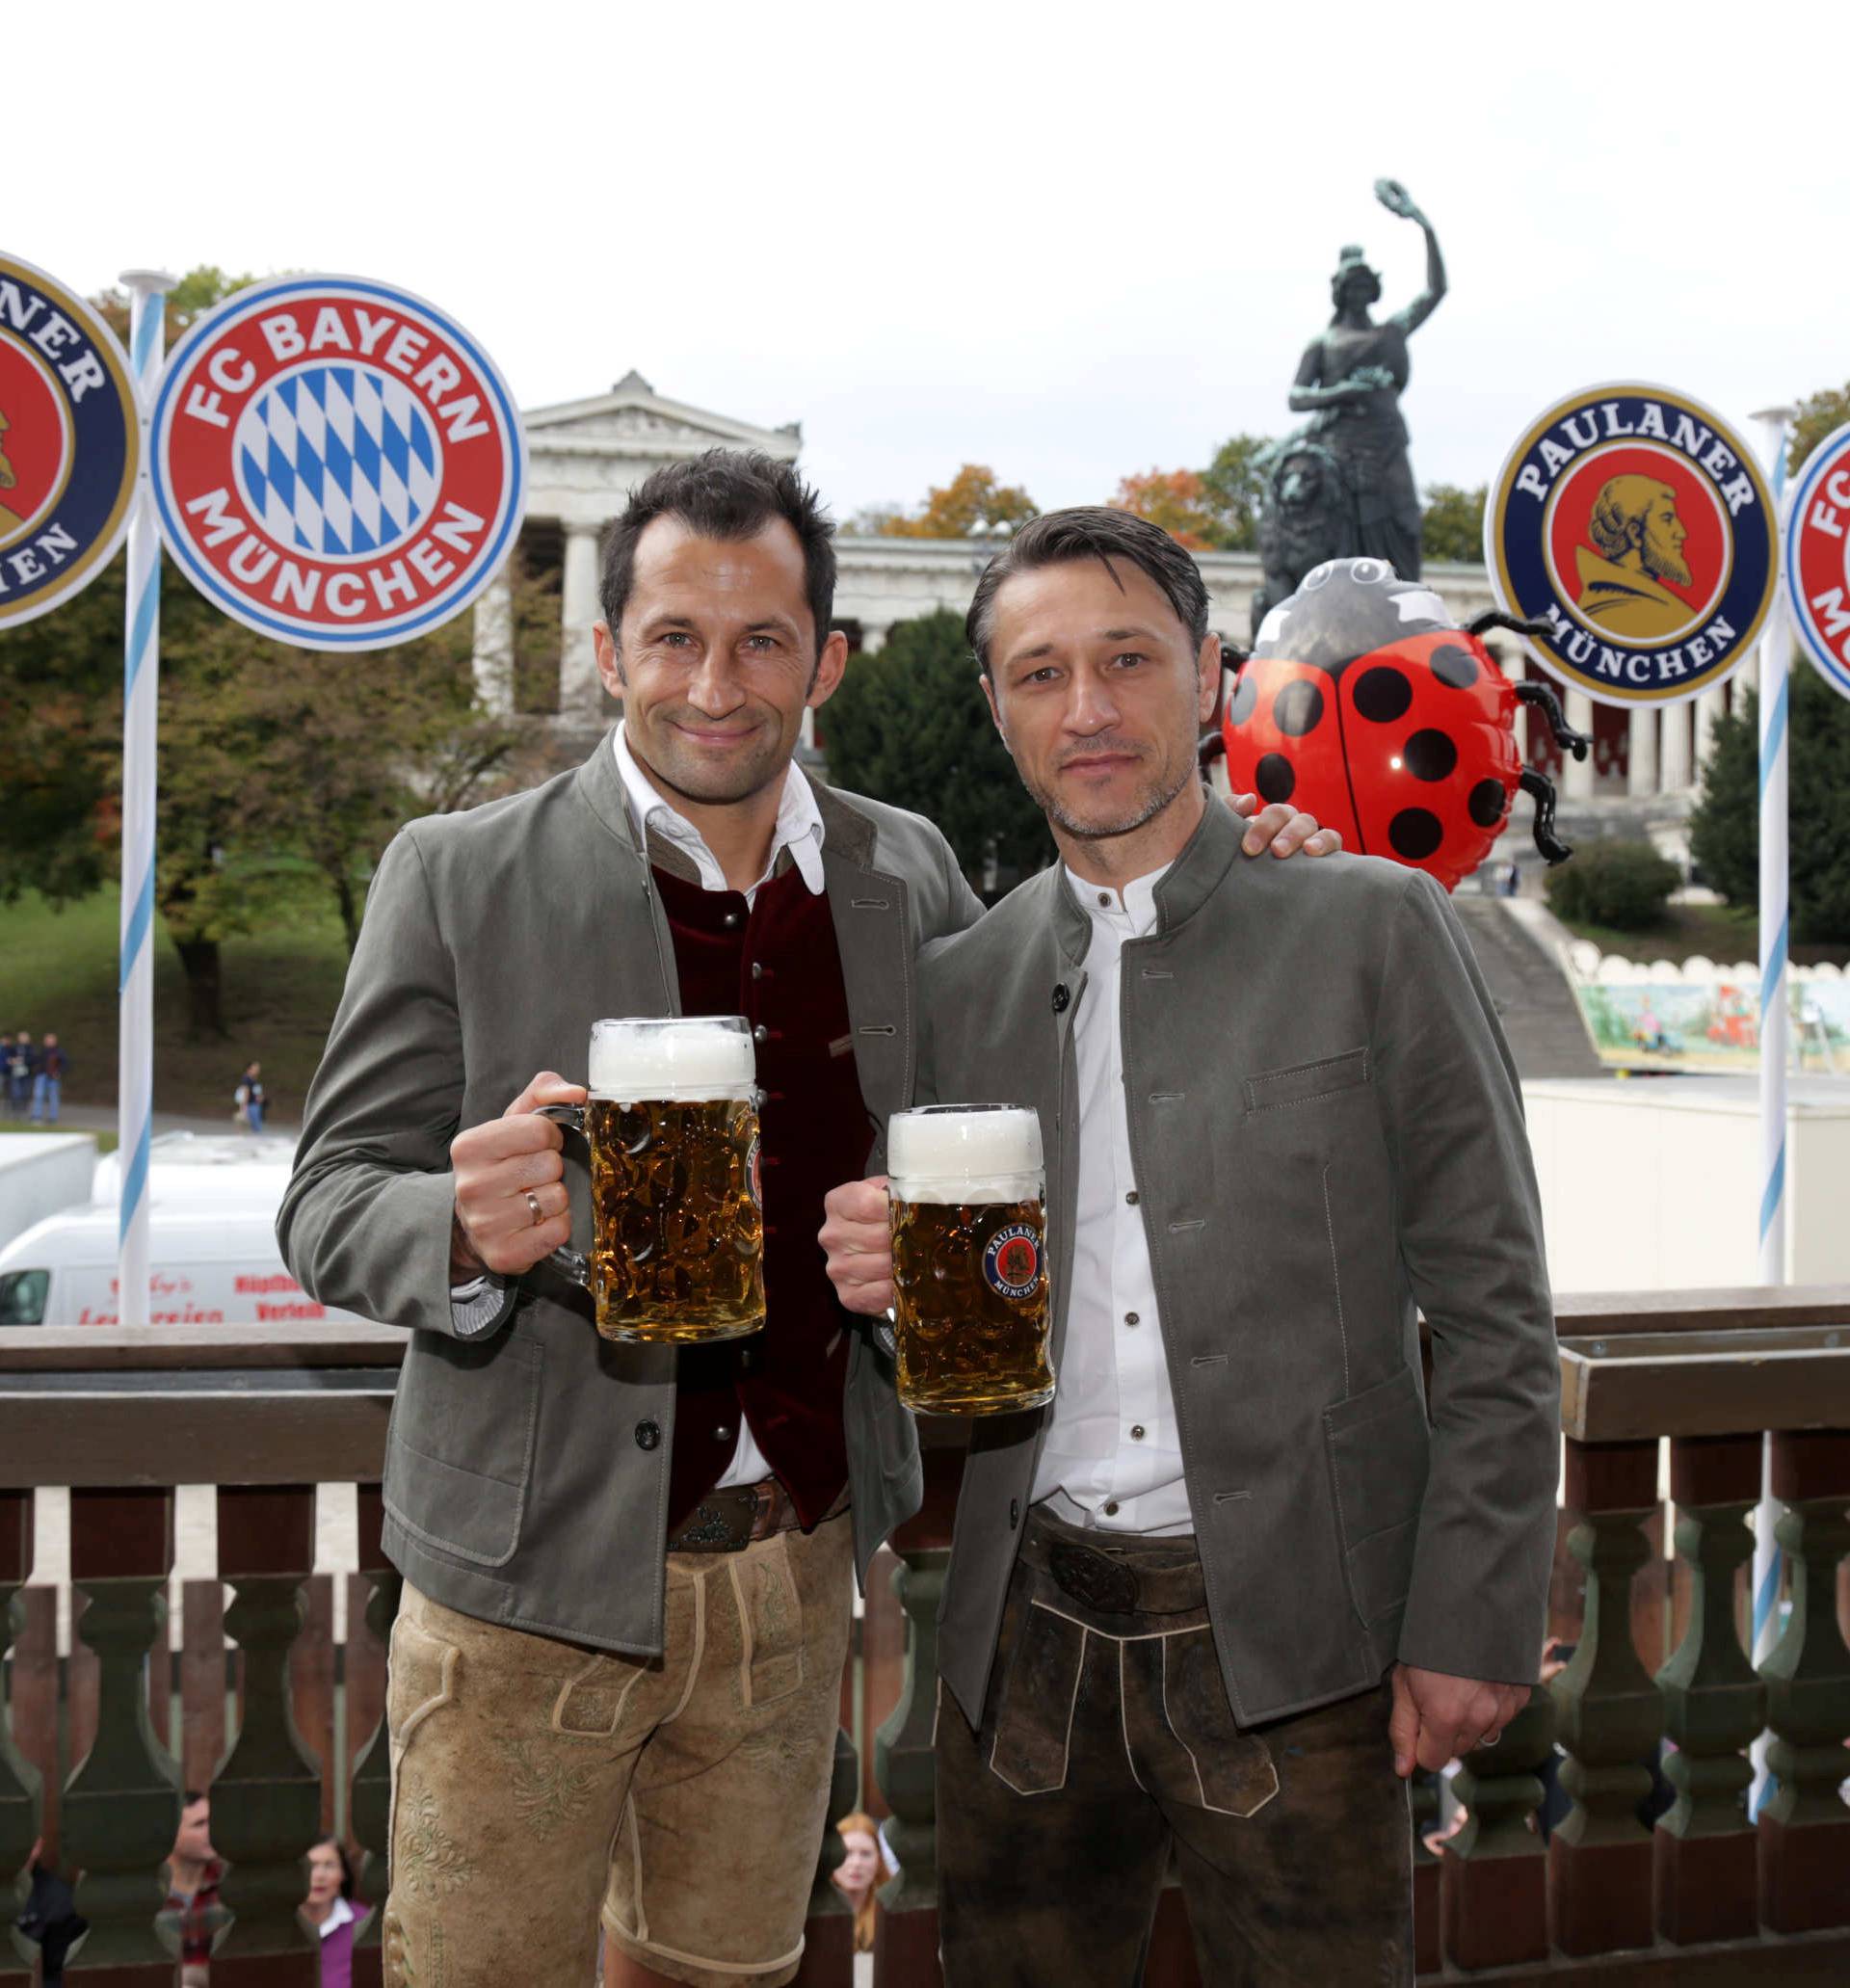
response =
{"points": [[1327, 1134], [527, 1472]]}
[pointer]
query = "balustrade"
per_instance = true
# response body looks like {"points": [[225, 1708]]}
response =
{"points": [[91, 1758]]}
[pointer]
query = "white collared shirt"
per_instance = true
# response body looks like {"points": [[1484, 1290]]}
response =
{"points": [[339, 1914], [1113, 1456], [800, 830], [798, 827]]}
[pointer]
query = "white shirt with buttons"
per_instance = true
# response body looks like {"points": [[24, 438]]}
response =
{"points": [[1113, 1455], [800, 830]]}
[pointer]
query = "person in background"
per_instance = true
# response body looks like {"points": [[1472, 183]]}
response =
{"points": [[861, 1872], [49, 1918], [48, 1086], [250, 1098], [330, 1908], [193, 1870], [20, 1062]]}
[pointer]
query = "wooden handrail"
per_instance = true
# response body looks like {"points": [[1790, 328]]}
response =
{"points": [[159, 1348]]}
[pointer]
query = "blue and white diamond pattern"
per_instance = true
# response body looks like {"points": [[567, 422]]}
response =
{"points": [[337, 462]]}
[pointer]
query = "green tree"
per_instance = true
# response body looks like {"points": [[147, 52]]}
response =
{"points": [[1818, 416], [1235, 490], [911, 726], [972, 505], [1723, 830], [1452, 522]]}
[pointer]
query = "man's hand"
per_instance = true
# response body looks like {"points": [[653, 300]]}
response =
{"points": [[498, 1166], [1287, 829], [860, 1245], [1437, 1717]]}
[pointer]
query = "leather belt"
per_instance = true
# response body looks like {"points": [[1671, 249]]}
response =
{"points": [[1143, 1577], [726, 1522]]}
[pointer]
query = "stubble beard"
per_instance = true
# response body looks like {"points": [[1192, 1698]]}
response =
{"points": [[711, 788], [1157, 793]]}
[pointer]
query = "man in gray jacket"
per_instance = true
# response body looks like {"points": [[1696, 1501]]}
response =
{"points": [[1231, 1584], [629, 1568]]}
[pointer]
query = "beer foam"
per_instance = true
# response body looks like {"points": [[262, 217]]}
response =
{"points": [[679, 1061], [961, 1153]]}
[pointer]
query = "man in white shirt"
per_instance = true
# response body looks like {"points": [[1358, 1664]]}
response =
{"points": [[1217, 1598]]}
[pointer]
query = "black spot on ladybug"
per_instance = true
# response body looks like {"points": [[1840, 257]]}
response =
{"points": [[1297, 708], [1383, 694], [1414, 834], [1430, 755], [1275, 777], [1456, 668], [1246, 695], [1486, 802]]}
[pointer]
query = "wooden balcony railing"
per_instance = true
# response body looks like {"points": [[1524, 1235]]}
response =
{"points": [[274, 1702]]}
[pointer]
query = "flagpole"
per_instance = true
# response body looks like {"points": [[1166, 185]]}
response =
{"points": [[140, 689], [1775, 702]]}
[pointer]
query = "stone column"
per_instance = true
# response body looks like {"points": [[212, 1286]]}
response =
{"points": [[580, 688], [1577, 775], [493, 657], [1641, 779], [1608, 1712], [1675, 757], [873, 637]]}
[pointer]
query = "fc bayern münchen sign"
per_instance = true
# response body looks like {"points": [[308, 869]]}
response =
{"points": [[70, 443], [336, 463], [1637, 525], [1817, 559]]}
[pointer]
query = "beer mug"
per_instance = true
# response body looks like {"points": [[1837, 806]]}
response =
{"points": [[677, 1226], [968, 1211]]}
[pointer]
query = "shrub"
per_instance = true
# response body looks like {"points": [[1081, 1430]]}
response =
{"points": [[1623, 885]]}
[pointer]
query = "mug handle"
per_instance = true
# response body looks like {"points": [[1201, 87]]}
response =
{"points": [[570, 1263]]}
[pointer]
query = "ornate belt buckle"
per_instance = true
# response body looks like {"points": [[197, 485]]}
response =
{"points": [[1094, 1579]]}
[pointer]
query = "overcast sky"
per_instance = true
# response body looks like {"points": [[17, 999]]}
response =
{"points": [[1070, 242]]}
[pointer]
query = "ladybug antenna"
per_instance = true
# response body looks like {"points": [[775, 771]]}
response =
{"points": [[1514, 624], [1541, 788], [1213, 747], [1550, 706]]}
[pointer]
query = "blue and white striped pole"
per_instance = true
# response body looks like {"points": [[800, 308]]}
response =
{"points": [[141, 691], [1776, 651]]}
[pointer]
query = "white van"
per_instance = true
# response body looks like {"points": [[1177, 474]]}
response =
{"points": [[212, 1245]]}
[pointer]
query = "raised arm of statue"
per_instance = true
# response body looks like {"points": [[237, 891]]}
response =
{"points": [[1398, 201]]}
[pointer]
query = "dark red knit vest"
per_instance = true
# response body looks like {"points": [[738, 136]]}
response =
{"points": [[776, 963]]}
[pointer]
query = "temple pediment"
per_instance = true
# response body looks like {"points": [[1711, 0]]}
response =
{"points": [[632, 420]]}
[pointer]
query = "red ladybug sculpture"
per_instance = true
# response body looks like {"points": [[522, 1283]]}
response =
{"points": [[1363, 701]]}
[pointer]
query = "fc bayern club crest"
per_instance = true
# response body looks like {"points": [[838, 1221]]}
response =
{"points": [[1011, 1261], [1636, 524], [337, 463], [1817, 559], [70, 443]]}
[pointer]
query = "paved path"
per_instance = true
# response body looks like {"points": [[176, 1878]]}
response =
{"points": [[101, 1118]]}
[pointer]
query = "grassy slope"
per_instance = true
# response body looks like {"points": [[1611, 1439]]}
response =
{"points": [[58, 971], [1714, 932]]}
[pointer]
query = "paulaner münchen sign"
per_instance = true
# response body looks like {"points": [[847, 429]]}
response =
{"points": [[1636, 524]]}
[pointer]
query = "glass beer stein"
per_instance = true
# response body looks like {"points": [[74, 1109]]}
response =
{"points": [[967, 1201], [677, 1226]]}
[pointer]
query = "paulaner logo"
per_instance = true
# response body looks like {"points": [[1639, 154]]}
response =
{"points": [[69, 444], [1011, 1261], [336, 463], [1636, 526]]}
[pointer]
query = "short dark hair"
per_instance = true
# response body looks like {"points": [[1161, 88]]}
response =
{"points": [[725, 494], [1091, 531]]}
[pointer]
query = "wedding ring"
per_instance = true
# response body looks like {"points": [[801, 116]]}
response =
{"points": [[539, 1213]]}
